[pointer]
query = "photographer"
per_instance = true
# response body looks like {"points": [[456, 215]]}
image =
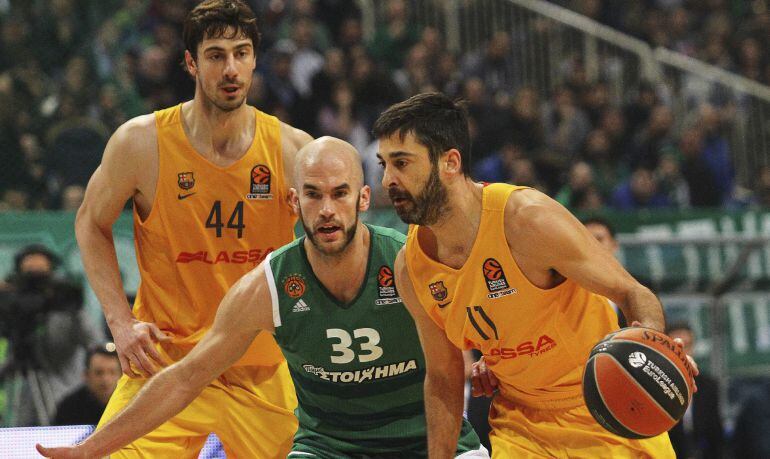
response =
{"points": [[43, 324]]}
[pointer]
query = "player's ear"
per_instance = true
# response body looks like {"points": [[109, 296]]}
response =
{"points": [[192, 66], [364, 198], [293, 199], [451, 162]]}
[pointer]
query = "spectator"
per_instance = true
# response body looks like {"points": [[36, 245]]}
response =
{"points": [[640, 191], [699, 434], [716, 152], [604, 232], [392, 39], [750, 437], [86, 404], [650, 142], [702, 186], [565, 125], [579, 187]]}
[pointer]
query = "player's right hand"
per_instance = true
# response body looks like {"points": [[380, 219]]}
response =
{"points": [[65, 452], [483, 381], [135, 344]]}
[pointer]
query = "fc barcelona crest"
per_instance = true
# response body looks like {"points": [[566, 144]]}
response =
{"points": [[186, 180], [438, 291]]}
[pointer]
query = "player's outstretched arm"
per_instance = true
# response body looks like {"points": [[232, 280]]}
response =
{"points": [[245, 310], [548, 236], [444, 378]]}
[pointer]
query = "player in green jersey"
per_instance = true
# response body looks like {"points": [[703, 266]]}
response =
{"points": [[330, 300]]}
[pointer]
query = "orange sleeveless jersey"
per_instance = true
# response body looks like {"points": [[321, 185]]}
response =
{"points": [[209, 226], [536, 341]]}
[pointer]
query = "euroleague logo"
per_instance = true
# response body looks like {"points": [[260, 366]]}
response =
{"points": [[386, 287], [294, 286], [494, 276], [260, 183], [385, 277], [637, 359]]}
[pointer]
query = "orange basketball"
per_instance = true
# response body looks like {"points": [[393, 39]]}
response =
{"points": [[637, 383]]}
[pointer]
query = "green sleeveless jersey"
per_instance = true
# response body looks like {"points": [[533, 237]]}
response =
{"points": [[358, 368]]}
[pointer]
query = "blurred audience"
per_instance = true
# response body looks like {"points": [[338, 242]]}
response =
{"points": [[86, 404], [318, 71], [699, 435]]}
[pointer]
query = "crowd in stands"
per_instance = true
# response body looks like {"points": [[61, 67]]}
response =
{"points": [[73, 70], [730, 34]]}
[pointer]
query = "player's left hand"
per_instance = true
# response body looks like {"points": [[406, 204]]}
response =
{"points": [[680, 343], [483, 381], [64, 452]]}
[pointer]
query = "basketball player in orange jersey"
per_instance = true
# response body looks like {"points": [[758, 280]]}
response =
{"points": [[508, 271], [209, 180]]}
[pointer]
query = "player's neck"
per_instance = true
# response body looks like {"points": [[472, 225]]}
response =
{"points": [[454, 235], [461, 221], [342, 274], [217, 134]]}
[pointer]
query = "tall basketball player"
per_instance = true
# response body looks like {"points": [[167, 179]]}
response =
{"points": [[506, 270], [209, 181]]}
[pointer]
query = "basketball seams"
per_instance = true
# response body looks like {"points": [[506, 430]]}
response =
{"points": [[675, 365], [604, 402], [643, 389]]}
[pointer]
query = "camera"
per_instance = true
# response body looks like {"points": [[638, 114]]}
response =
{"points": [[25, 303]]}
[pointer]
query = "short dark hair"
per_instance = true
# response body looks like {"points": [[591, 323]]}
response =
{"points": [[678, 326], [434, 119], [600, 221], [34, 249], [100, 350], [212, 18]]}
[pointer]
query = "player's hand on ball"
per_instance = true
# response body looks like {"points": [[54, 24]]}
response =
{"points": [[64, 452], [691, 360], [483, 381], [693, 365], [135, 343]]}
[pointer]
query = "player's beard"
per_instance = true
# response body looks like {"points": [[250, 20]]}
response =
{"points": [[429, 205], [226, 105], [348, 234]]}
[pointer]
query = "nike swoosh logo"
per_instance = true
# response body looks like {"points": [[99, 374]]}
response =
{"points": [[442, 306], [183, 196]]}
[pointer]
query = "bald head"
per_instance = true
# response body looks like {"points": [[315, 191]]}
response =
{"points": [[329, 157]]}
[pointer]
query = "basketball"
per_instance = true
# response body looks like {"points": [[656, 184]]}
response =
{"points": [[637, 383]]}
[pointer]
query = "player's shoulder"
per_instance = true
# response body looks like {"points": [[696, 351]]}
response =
{"points": [[290, 249], [134, 142], [137, 134], [387, 235], [529, 207], [293, 138]]}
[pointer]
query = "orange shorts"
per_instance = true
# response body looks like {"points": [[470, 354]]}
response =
{"points": [[250, 409], [523, 432]]}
